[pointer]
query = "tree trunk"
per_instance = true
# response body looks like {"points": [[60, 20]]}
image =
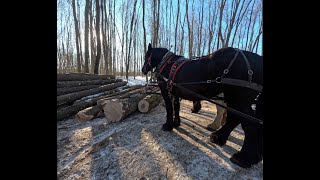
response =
{"points": [[70, 98], [144, 33], [149, 102], [77, 32], [118, 109], [130, 40], [96, 66], [92, 43], [86, 36], [176, 28]]}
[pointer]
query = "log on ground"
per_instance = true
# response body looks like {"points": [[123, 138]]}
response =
{"points": [[70, 98], [68, 90], [63, 84], [117, 109], [75, 108], [82, 77], [88, 113], [149, 102], [125, 94]]}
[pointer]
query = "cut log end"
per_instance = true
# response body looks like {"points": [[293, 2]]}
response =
{"points": [[81, 117], [113, 110], [143, 106]]}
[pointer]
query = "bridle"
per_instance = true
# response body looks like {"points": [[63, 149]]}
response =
{"points": [[148, 62]]}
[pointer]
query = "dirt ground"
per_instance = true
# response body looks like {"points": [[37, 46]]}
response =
{"points": [[137, 148]]}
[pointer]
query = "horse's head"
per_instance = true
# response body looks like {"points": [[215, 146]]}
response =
{"points": [[148, 64]]}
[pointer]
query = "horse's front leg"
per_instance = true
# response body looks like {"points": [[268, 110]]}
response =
{"points": [[176, 106], [168, 126]]}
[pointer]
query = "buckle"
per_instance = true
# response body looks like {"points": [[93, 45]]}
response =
{"points": [[218, 80]]}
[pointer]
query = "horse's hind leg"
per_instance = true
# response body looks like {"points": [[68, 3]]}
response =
{"points": [[250, 152], [168, 126], [220, 118], [176, 106], [196, 106], [220, 137]]}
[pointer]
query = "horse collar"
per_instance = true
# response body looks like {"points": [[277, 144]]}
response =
{"points": [[164, 61]]}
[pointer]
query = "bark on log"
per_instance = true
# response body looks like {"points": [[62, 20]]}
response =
{"points": [[87, 114], [86, 98], [67, 90], [82, 77], [117, 109], [70, 98], [75, 108], [63, 84], [131, 91], [149, 102]]}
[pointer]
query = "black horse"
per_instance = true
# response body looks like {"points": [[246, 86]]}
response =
{"points": [[236, 73]]}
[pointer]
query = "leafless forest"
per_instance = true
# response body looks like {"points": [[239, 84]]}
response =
{"points": [[110, 36]]}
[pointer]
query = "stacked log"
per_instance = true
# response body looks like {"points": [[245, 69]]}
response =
{"points": [[149, 102], [116, 109], [85, 89], [87, 96]]}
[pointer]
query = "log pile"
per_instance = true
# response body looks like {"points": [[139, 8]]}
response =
{"points": [[87, 96]]}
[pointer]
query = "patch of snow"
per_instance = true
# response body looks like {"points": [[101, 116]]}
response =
{"points": [[138, 80]]}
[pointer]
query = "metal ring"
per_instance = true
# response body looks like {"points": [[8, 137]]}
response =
{"points": [[226, 71], [250, 72], [218, 80]]}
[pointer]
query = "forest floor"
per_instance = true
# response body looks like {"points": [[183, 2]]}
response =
{"points": [[137, 148]]}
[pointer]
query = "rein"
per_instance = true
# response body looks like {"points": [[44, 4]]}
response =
{"points": [[250, 118]]}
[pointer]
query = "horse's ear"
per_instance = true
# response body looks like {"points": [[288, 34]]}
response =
{"points": [[149, 47]]}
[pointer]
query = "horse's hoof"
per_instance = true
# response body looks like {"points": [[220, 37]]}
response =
{"points": [[195, 110], [211, 129], [235, 159], [176, 123], [215, 139], [167, 127]]}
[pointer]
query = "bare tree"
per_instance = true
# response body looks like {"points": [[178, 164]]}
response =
{"points": [[144, 32], [96, 67], [77, 32], [86, 36], [176, 28], [131, 26]]}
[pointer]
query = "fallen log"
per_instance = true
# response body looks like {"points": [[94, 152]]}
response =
{"points": [[97, 95], [62, 84], [70, 98], [149, 102], [127, 93], [88, 113], [75, 108], [82, 77], [67, 90], [118, 109]]}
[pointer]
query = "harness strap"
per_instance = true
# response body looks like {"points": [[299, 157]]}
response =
{"points": [[250, 72], [165, 60], [242, 83], [173, 71], [238, 82], [232, 61]]}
